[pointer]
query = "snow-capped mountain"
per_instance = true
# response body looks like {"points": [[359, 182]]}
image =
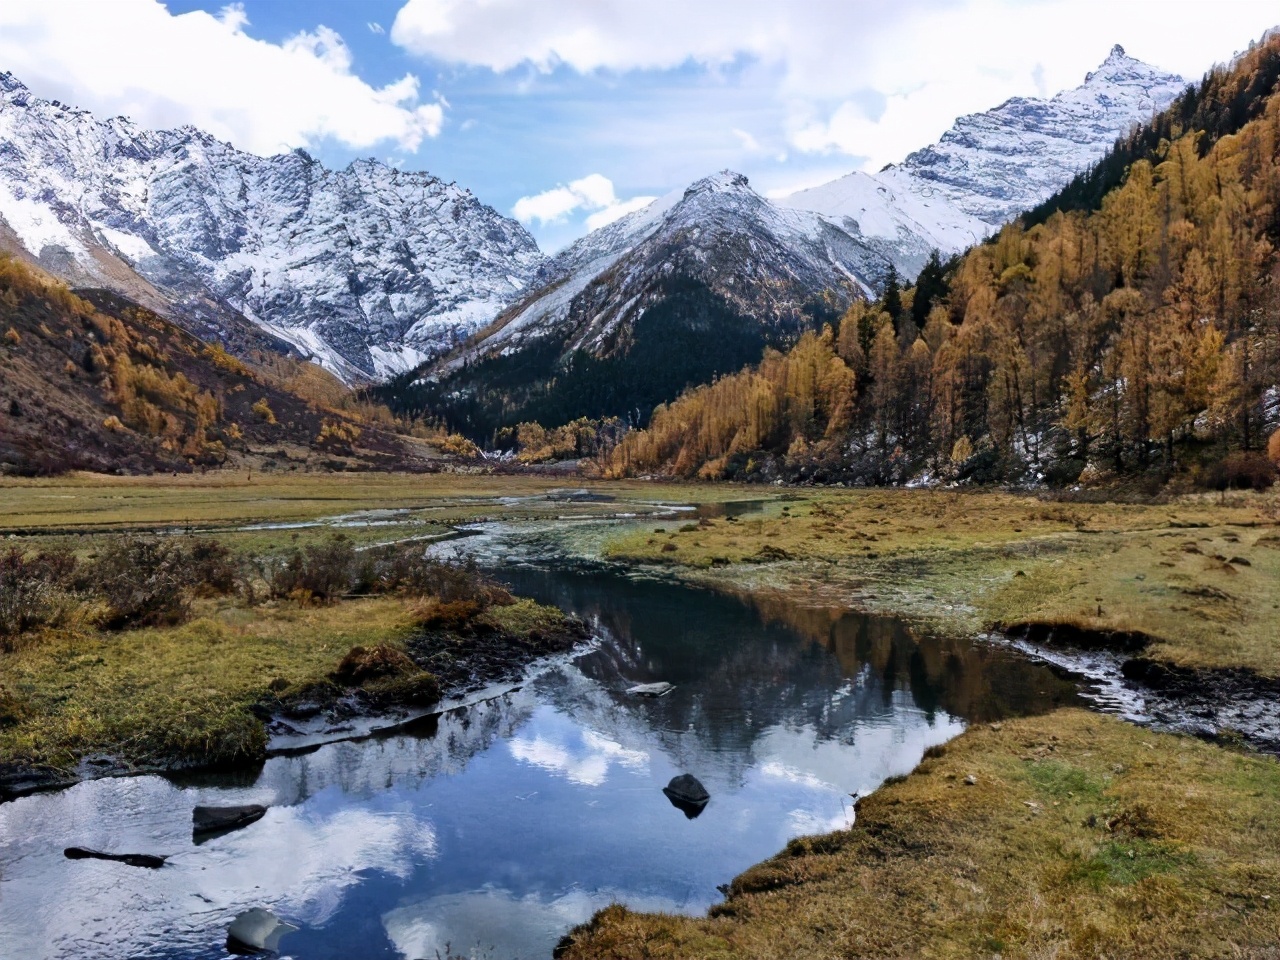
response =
{"points": [[762, 260], [369, 270], [991, 166], [695, 285]]}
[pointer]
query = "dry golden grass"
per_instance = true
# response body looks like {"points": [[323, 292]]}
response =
{"points": [[177, 693], [1201, 575], [1081, 837]]}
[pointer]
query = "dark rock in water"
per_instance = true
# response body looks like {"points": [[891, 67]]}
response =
{"points": [[218, 819], [660, 689], [132, 859], [257, 931], [687, 794]]}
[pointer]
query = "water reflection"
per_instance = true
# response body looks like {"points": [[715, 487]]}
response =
{"points": [[491, 829]]}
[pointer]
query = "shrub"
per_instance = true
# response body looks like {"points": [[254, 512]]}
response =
{"points": [[459, 446], [212, 569], [337, 434], [264, 411], [406, 569], [34, 592], [1241, 471], [319, 571], [1273, 449], [144, 583], [13, 336]]}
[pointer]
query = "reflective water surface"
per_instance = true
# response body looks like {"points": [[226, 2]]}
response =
{"points": [[492, 829]]}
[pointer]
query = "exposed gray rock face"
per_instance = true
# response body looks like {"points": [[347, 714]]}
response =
{"points": [[369, 270]]}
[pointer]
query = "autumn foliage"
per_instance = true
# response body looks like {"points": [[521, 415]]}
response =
{"points": [[1140, 336]]}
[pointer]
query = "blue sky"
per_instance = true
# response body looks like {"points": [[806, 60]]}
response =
{"points": [[569, 112]]}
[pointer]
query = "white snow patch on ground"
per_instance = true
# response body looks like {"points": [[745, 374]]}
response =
{"points": [[37, 226], [131, 246]]}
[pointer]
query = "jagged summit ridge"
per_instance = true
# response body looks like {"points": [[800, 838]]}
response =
{"points": [[761, 257], [996, 164], [991, 166], [368, 269]]}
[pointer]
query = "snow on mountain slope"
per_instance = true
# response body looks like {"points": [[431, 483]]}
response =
{"points": [[895, 208], [761, 258], [991, 166], [369, 270]]}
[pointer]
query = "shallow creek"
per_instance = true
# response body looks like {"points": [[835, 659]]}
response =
{"points": [[493, 828]]}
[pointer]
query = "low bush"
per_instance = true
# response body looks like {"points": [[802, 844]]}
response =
{"points": [[406, 569], [145, 583], [34, 592], [1241, 471], [323, 571], [214, 572], [149, 582]]}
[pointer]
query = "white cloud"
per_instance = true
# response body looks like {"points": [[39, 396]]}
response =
{"points": [[873, 79], [749, 143], [591, 193], [375, 27], [134, 58]]}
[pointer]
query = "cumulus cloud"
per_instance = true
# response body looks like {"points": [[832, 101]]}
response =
{"points": [[593, 193], [873, 79], [135, 58]]}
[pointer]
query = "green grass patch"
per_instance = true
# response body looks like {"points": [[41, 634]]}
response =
{"points": [[1122, 863]]}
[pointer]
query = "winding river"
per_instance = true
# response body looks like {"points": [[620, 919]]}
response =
{"points": [[491, 829]]}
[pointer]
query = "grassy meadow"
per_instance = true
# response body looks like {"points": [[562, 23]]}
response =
{"points": [[1067, 835]]}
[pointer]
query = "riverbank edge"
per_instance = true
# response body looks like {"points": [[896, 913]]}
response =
{"points": [[1070, 834], [499, 659]]}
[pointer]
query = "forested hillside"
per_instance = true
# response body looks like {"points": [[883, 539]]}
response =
{"points": [[1136, 330], [92, 381]]}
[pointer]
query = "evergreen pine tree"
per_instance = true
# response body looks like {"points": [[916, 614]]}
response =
{"points": [[893, 296]]}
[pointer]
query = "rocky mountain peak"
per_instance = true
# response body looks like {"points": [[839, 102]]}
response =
{"points": [[726, 181], [368, 270]]}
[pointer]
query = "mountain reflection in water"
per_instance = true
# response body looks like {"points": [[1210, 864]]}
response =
{"points": [[492, 829]]}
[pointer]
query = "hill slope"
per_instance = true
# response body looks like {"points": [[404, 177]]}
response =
{"points": [[694, 285], [95, 382]]}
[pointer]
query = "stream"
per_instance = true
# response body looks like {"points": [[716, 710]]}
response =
{"points": [[491, 829]]}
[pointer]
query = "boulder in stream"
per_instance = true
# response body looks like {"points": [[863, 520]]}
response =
{"points": [[210, 820], [150, 861], [687, 794], [257, 931], [660, 689]]}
